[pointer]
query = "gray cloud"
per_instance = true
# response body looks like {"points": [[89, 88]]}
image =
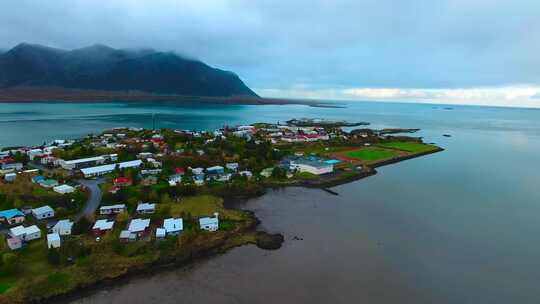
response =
{"points": [[314, 44]]}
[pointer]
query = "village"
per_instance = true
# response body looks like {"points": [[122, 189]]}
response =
{"points": [[140, 188]]}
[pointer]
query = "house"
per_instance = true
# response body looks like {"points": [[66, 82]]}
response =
{"points": [[36, 179], [154, 163], [144, 155], [173, 226], [179, 171], [48, 183], [209, 223], [125, 235], [102, 226], [246, 173], [122, 181], [316, 167], [198, 179], [232, 166], [112, 209], [63, 189], [215, 170], [63, 227], [11, 216], [25, 233], [175, 179], [105, 169], [146, 208], [33, 153], [43, 212], [10, 177], [53, 240], [267, 172], [197, 171], [138, 227], [149, 180], [160, 233], [14, 243]]}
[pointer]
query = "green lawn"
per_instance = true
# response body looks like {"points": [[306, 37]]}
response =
{"points": [[413, 147], [371, 153], [203, 205]]}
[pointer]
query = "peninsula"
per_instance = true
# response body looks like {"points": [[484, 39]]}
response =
{"points": [[80, 213]]}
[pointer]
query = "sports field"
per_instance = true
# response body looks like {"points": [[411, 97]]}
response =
{"points": [[412, 147]]}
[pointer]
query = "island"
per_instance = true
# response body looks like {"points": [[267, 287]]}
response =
{"points": [[77, 214]]}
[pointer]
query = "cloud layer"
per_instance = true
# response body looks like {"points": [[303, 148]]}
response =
{"points": [[411, 49]]}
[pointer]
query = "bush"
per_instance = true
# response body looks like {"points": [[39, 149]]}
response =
{"points": [[82, 226], [53, 256], [9, 263]]}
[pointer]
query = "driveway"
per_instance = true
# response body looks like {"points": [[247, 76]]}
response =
{"points": [[94, 199]]}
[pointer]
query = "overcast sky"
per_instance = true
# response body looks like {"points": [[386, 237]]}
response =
{"points": [[453, 51]]}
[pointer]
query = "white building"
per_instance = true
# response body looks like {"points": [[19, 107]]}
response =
{"points": [[138, 227], [105, 169], [311, 166], [63, 189], [102, 226], [63, 227], [160, 233], [173, 226], [83, 162], [10, 177], [112, 209], [25, 233], [43, 212], [146, 208], [209, 223], [232, 166], [53, 240]]}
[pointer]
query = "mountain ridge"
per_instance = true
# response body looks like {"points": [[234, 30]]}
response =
{"points": [[100, 67]]}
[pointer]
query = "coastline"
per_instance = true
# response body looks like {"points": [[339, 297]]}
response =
{"points": [[220, 247]]}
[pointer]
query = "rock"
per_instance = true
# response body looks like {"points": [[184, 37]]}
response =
{"points": [[269, 241], [447, 135]]}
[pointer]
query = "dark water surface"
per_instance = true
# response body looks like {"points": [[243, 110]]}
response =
{"points": [[461, 226]]}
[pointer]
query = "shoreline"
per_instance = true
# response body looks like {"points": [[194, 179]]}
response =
{"points": [[222, 247]]}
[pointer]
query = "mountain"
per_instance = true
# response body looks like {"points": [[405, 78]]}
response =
{"points": [[99, 67]]}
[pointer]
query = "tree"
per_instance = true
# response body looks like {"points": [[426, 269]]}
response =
{"points": [[53, 256], [82, 226], [9, 263]]}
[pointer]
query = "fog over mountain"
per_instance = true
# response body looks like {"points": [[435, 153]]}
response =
{"points": [[105, 68], [456, 51]]}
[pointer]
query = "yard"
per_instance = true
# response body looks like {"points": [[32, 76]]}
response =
{"points": [[203, 205]]}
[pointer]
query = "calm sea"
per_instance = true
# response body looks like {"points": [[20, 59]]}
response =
{"points": [[461, 226]]}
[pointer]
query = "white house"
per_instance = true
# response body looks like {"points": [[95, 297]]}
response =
{"points": [[209, 223], [175, 179], [160, 233], [43, 212], [53, 240], [10, 177], [14, 243], [232, 166], [63, 189], [25, 233], [173, 226], [138, 227], [112, 209], [63, 227], [102, 226], [146, 208], [246, 173]]}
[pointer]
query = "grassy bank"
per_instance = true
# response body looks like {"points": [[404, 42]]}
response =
{"points": [[83, 262]]}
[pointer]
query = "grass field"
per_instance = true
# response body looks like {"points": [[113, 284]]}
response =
{"points": [[412, 147], [203, 205], [371, 153]]}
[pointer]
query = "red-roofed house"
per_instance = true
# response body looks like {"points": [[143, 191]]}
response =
{"points": [[122, 181]]}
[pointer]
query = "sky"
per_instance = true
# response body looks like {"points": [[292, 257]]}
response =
{"points": [[444, 51]]}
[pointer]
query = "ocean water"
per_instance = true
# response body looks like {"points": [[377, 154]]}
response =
{"points": [[460, 226]]}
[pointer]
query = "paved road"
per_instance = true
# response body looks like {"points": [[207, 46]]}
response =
{"points": [[93, 200]]}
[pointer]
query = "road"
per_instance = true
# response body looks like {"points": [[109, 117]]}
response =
{"points": [[94, 199]]}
